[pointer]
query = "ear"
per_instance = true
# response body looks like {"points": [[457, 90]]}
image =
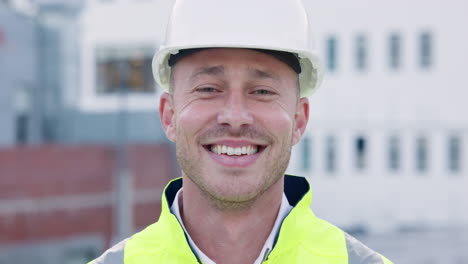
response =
{"points": [[301, 119], [166, 114]]}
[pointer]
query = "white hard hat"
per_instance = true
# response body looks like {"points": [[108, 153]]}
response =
{"points": [[278, 25]]}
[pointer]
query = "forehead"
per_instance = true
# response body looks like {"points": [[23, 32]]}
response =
{"points": [[233, 57]]}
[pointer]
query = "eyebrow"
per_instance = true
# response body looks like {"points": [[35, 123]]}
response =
{"points": [[213, 70], [260, 74], [219, 70]]}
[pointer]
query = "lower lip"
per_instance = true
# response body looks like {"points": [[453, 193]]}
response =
{"points": [[234, 161]]}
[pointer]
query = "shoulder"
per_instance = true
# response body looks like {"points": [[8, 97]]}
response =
{"points": [[324, 238], [114, 255], [150, 239]]}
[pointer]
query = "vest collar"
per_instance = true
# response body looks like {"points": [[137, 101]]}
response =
{"points": [[293, 229], [295, 189]]}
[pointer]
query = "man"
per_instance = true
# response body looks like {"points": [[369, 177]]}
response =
{"points": [[236, 74]]}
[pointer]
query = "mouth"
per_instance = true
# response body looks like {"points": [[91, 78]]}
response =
{"points": [[242, 155], [234, 151]]}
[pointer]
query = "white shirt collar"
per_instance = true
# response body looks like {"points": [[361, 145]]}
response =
{"points": [[284, 210]]}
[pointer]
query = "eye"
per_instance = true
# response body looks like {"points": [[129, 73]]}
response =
{"points": [[263, 92], [206, 89], [206, 92]]}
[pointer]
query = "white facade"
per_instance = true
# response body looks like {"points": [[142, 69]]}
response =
{"points": [[378, 102]]}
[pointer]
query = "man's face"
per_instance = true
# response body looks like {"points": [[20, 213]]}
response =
{"points": [[234, 115]]}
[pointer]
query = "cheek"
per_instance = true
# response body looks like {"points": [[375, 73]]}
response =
{"points": [[193, 118], [276, 119]]}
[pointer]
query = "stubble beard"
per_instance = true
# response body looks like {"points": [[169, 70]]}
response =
{"points": [[275, 167]]}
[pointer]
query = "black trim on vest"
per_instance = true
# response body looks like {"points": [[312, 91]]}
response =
{"points": [[295, 187], [170, 193], [172, 190]]}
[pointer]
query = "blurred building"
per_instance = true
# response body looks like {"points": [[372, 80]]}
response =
{"points": [[18, 75], [101, 89], [39, 70], [386, 146], [80, 71], [75, 73], [117, 42]]}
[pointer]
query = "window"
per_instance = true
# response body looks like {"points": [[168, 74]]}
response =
{"points": [[425, 50], [394, 51], [394, 153], [454, 153], [124, 70], [22, 102], [21, 128], [421, 154], [331, 53], [306, 149], [361, 52], [360, 152], [330, 154]]}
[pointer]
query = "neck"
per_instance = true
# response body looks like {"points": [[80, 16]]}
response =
{"points": [[230, 236]]}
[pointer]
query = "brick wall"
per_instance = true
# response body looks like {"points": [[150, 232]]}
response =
{"points": [[54, 192]]}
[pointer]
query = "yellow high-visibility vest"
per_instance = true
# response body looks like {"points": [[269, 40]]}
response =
{"points": [[302, 238]]}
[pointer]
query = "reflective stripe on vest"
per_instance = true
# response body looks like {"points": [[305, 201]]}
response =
{"points": [[359, 253], [114, 255]]}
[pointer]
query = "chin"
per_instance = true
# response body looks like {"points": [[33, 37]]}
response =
{"points": [[238, 188]]}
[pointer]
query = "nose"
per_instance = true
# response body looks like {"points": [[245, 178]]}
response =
{"points": [[235, 112]]}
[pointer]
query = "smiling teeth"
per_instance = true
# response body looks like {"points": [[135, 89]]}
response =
{"points": [[232, 151]]}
